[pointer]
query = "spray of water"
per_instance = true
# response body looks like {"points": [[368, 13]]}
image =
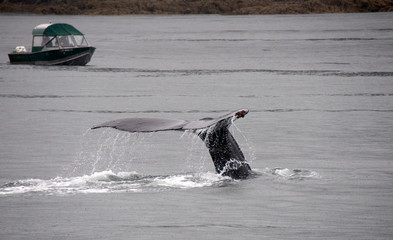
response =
{"points": [[109, 150]]}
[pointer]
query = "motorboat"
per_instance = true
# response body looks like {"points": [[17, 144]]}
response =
{"points": [[54, 44]]}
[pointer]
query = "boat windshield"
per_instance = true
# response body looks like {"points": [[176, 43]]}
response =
{"points": [[47, 41], [66, 41], [40, 42], [81, 40]]}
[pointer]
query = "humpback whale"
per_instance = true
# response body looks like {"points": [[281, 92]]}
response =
{"points": [[225, 152]]}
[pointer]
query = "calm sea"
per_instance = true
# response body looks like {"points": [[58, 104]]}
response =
{"points": [[319, 133]]}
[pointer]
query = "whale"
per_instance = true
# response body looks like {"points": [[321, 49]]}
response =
{"points": [[228, 158]]}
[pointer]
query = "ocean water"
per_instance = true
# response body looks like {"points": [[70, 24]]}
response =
{"points": [[319, 134]]}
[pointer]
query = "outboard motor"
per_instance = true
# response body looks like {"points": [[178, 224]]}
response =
{"points": [[20, 49]]}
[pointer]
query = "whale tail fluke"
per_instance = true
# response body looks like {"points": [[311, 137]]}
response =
{"points": [[225, 152]]}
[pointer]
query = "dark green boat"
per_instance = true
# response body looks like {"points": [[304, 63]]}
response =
{"points": [[54, 44]]}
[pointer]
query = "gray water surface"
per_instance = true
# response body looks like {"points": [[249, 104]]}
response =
{"points": [[319, 133]]}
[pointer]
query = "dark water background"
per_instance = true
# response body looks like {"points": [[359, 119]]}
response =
{"points": [[319, 132]]}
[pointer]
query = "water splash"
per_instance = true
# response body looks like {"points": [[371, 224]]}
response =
{"points": [[248, 145], [198, 158], [109, 150], [106, 164]]}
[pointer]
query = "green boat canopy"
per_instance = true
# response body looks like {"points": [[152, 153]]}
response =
{"points": [[56, 29]]}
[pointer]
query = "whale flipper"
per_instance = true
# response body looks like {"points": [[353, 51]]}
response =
{"points": [[226, 154]]}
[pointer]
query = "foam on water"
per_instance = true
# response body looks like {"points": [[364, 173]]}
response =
{"points": [[132, 182], [291, 174], [109, 182]]}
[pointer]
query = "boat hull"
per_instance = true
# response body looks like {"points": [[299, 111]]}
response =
{"points": [[68, 56]]}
